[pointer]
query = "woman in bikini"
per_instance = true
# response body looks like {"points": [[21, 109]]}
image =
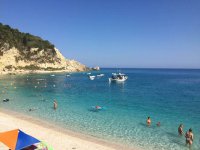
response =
{"points": [[189, 137]]}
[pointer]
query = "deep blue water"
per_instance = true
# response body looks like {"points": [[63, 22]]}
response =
{"points": [[167, 96]]}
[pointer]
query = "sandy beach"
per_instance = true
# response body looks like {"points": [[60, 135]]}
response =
{"points": [[57, 138]]}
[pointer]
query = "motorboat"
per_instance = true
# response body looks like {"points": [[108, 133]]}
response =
{"points": [[100, 75], [91, 77], [67, 75], [118, 77]]}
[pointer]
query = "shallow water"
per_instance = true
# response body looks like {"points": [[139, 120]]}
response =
{"points": [[167, 96]]}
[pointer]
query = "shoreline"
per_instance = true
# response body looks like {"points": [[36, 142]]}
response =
{"points": [[21, 72], [54, 135]]}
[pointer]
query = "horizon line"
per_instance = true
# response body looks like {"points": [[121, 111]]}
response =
{"points": [[149, 68]]}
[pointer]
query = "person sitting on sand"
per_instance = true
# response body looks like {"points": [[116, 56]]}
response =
{"points": [[180, 129], [189, 137], [55, 105], [148, 121]]}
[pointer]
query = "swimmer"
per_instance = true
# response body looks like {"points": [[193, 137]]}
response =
{"points": [[148, 121], [158, 124], [180, 129], [189, 137], [98, 107], [55, 105], [32, 109]]}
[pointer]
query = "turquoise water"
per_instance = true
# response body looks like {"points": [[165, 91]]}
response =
{"points": [[167, 96]]}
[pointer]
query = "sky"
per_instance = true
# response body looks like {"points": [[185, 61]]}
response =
{"points": [[113, 33]]}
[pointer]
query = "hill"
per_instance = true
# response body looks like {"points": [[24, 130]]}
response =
{"points": [[25, 52]]}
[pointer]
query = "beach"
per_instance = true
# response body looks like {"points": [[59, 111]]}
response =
{"points": [[55, 137]]}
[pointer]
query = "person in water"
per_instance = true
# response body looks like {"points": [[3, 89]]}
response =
{"points": [[180, 129], [148, 121], [158, 124], [189, 137], [55, 105], [98, 107], [32, 109]]}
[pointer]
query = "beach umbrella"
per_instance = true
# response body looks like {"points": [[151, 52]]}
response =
{"points": [[17, 139]]}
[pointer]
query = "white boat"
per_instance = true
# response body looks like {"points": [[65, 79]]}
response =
{"points": [[67, 75], [100, 75], [91, 77], [118, 77]]}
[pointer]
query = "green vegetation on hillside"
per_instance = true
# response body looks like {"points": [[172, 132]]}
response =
{"points": [[24, 42]]}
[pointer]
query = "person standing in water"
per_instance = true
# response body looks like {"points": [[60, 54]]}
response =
{"points": [[148, 121], [189, 137], [55, 105], [180, 129]]}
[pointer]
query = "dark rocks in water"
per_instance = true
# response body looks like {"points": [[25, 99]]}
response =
{"points": [[6, 100]]}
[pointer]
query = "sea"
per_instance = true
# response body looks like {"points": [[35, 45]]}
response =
{"points": [[168, 96]]}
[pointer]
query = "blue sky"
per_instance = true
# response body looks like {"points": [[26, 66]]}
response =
{"points": [[114, 33]]}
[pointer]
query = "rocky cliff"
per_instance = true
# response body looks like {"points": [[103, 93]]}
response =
{"points": [[25, 52]]}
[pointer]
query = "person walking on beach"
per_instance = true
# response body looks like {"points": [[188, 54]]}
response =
{"points": [[148, 121], [189, 137], [55, 105], [180, 129]]}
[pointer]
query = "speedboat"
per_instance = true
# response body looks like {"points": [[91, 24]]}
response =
{"points": [[91, 77], [118, 77]]}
